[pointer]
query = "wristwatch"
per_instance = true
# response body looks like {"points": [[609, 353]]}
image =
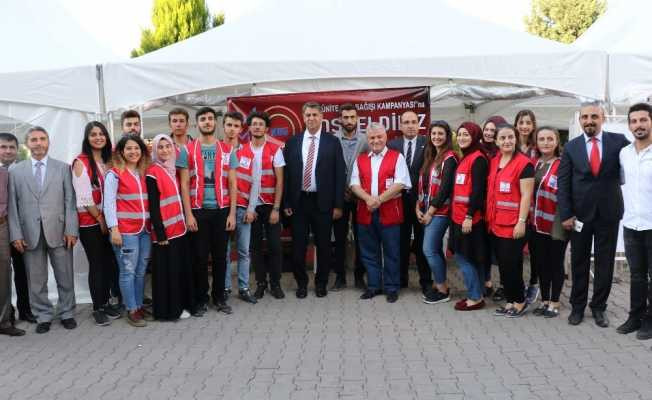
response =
{"points": [[521, 220], [276, 208]]}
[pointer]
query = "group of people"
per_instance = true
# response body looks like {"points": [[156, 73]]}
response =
{"points": [[500, 191]]}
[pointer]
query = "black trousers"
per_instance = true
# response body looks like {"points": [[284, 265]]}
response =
{"points": [[20, 280], [509, 253], [638, 250], [411, 224], [102, 266], [308, 218], [262, 229], [605, 234], [547, 256], [210, 238], [340, 230], [172, 287]]}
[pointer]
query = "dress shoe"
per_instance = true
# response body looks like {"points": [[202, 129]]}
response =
{"points": [[600, 318], [465, 307], [645, 332], [69, 323], [222, 307], [277, 292], [320, 291], [12, 331], [631, 325], [575, 317], [27, 317], [42, 327], [340, 283], [368, 294], [302, 292], [260, 291], [392, 297], [245, 295]]}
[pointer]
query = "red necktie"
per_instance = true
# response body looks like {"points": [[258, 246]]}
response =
{"points": [[595, 157], [307, 170]]}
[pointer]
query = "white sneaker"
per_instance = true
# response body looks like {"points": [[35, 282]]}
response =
{"points": [[185, 314]]}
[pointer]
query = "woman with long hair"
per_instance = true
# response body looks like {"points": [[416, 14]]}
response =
{"points": [[436, 179], [127, 217], [526, 124], [468, 232], [88, 180], [548, 239], [489, 134], [172, 273], [509, 193]]}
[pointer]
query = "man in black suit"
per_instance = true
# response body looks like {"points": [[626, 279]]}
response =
{"points": [[412, 145], [313, 195], [591, 205]]}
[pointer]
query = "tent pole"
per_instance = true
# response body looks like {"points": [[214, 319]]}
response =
{"points": [[99, 74], [610, 106]]}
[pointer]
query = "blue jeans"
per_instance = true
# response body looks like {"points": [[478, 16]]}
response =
{"points": [[132, 260], [372, 237], [474, 285], [433, 238], [243, 236]]}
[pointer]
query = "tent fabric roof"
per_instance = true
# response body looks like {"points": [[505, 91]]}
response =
{"points": [[305, 41]]}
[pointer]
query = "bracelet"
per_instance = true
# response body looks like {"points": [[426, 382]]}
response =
{"points": [[276, 208], [521, 220]]}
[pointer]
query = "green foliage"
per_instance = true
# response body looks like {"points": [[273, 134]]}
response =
{"points": [[176, 20], [563, 20]]}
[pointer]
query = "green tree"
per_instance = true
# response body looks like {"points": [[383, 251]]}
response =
{"points": [[563, 20], [176, 20]]}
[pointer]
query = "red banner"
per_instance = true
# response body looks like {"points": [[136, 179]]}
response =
{"points": [[375, 105]]}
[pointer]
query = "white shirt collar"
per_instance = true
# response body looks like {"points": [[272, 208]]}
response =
{"points": [[308, 134], [44, 161], [381, 154], [598, 136]]}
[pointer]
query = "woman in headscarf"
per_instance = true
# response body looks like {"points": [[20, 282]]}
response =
{"points": [[172, 274], [489, 134]]}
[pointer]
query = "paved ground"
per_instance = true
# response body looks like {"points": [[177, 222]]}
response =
{"points": [[338, 347]]}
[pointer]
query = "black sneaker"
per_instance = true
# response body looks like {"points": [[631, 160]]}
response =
{"points": [[245, 295], [551, 312], [111, 312], [221, 306], [100, 318], [277, 292], [436, 297], [514, 313], [260, 291], [499, 295], [501, 311], [540, 311]]}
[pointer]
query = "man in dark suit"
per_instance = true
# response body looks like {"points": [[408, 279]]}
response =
{"points": [[412, 145], [591, 205], [313, 195]]}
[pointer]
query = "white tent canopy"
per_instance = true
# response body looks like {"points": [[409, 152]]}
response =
{"points": [[624, 32], [296, 46]]}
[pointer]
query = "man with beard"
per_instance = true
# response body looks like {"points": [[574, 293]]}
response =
{"points": [[636, 164], [353, 143], [130, 123], [591, 205], [179, 121], [268, 156], [208, 191]]}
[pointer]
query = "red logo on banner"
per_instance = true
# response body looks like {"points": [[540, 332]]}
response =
{"points": [[376, 105]]}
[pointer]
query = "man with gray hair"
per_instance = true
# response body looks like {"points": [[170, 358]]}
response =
{"points": [[377, 178], [43, 224]]}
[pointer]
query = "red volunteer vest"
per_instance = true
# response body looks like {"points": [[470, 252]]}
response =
{"points": [[170, 204], [391, 211], [196, 172], [85, 218], [545, 202], [435, 183], [268, 177], [244, 174], [462, 189], [132, 207], [504, 194]]}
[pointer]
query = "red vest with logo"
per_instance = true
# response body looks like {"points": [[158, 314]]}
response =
{"points": [[504, 194], [196, 172], [268, 176], [170, 204], [391, 211], [132, 207], [244, 174], [545, 202], [435, 183], [463, 188], [85, 218]]}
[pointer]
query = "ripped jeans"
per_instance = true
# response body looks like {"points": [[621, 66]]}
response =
{"points": [[132, 259]]}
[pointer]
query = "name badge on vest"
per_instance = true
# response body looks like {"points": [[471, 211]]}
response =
{"points": [[225, 158], [245, 162], [505, 187], [389, 182], [552, 182], [460, 179]]}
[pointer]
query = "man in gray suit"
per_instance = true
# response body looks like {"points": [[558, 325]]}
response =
{"points": [[43, 223]]}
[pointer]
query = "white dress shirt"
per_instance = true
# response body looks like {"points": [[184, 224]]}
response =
{"points": [[589, 145], [304, 155], [636, 170], [44, 167], [401, 173], [414, 147]]}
